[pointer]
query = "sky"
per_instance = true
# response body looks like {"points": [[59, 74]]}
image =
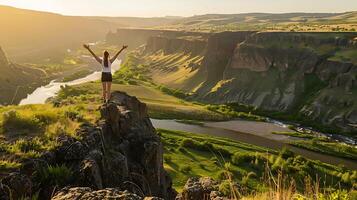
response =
{"points": [[159, 8]]}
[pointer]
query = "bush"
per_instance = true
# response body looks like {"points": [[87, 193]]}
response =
{"points": [[248, 177], [172, 92], [242, 157], [58, 175], [24, 146], [204, 146], [12, 120], [286, 153], [229, 189], [185, 168], [74, 115], [189, 143]]}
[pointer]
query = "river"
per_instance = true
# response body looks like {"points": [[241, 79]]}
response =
{"points": [[257, 133], [41, 94]]}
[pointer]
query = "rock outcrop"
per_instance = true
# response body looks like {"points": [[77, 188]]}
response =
{"points": [[204, 188], [121, 158], [87, 193]]}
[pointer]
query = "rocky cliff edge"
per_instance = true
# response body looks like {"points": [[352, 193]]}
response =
{"points": [[120, 158]]}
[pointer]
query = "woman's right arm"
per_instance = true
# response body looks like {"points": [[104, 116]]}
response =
{"points": [[86, 46]]}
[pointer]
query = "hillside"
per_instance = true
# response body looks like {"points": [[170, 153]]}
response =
{"points": [[32, 35], [17, 80], [313, 22], [294, 76], [71, 149]]}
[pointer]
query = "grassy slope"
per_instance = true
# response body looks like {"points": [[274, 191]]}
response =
{"points": [[215, 156], [28, 131], [160, 105], [33, 128]]}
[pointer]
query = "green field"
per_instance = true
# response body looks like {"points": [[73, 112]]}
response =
{"points": [[328, 147], [188, 154]]}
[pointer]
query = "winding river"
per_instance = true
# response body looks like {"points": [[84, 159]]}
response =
{"points": [[41, 94], [257, 133]]}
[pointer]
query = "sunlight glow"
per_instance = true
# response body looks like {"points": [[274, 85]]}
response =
{"points": [[150, 8]]}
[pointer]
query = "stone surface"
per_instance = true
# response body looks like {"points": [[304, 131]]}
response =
{"points": [[86, 193], [122, 152], [204, 188], [16, 185]]}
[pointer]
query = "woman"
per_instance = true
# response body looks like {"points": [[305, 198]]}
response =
{"points": [[106, 63]]}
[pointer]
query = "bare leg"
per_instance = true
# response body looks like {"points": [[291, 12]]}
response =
{"points": [[104, 90], [109, 85]]}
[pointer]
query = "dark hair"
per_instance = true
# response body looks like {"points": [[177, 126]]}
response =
{"points": [[106, 59]]}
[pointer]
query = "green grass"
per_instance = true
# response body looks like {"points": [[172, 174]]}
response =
{"points": [[160, 105], [346, 55], [193, 122], [295, 134], [57, 175], [5, 165], [331, 148], [30, 130], [188, 154]]}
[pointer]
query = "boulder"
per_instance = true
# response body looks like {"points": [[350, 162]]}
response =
{"points": [[123, 152], [87, 193], [203, 188], [16, 185]]}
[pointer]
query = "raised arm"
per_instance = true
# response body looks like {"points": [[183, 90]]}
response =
{"points": [[86, 46], [116, 55]]}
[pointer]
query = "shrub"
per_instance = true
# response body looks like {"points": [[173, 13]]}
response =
{"points": [[74, 115], [204, 146], [12, 120], [189, 143], [185, 168], [229, 189], [58, 175], [248, 177], [46, 117], [242, 157], [23, 145], [286, 153]]}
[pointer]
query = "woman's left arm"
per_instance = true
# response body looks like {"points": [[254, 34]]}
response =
{"points": [[116, 55]]}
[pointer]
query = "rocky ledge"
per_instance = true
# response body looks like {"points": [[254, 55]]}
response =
{"points": [[119, 158]]}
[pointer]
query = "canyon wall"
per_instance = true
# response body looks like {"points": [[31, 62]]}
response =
{"points": [[312, 75]]}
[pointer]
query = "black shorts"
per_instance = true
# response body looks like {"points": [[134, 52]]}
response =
{"points": [[107, 77]]}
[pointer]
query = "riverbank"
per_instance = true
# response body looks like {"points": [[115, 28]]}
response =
{"points": [[252, 139]]}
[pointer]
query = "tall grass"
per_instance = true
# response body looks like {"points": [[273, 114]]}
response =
{"points": [[278, 185]]}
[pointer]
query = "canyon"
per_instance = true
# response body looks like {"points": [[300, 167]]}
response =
{"points": [[309, 75]]}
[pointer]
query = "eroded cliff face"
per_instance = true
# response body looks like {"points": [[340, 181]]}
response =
{"points": [[303, 74], [294, 72], [121, 157]]}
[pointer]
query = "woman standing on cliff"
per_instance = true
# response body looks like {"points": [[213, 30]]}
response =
{"points": [[106, 63]]}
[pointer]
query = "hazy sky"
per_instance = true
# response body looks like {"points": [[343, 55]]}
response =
{"points": [[149, 8]]}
